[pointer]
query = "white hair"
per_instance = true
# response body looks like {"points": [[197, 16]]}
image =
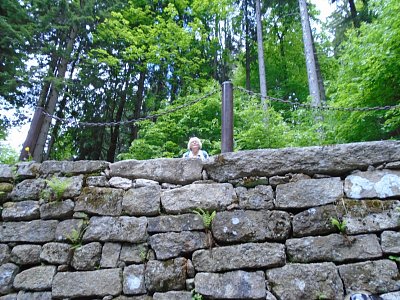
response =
{"points": [[194, 139]]}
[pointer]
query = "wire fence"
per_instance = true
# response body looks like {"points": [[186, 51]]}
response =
{"points": [[72, 122]]}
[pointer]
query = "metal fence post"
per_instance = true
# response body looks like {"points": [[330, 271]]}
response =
{"points": [[227, 117]]}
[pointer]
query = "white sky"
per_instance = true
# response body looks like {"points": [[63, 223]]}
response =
{"points": [[17, 135]]}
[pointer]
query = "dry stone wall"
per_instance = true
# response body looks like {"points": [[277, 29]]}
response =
{"points": [[128, 230]]}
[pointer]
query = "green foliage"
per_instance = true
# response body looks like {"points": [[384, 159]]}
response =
{"points": [[395, 258], [7, 154], [56, 188], [206, 216], [75, 237], [196, 296], [340, 225]]}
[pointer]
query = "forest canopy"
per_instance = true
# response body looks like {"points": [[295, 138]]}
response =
{"points": [[136, 79]]}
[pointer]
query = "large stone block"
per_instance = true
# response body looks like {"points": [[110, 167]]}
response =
{"points": [[335, 248], [116, 229], [20, 211], [133, 283], [92, 284], [170, 170], [373, 184], [100, 201], [35, 279], [36, 231], [309, 193], [163, 276], [29, 189], [73, 167], [251, 226], [8, 271], [251, 255], [306, 281], [169, 245], [333, 160], [231, 285], [175, 223], [142, 201], [380, 276], [206, 196]]}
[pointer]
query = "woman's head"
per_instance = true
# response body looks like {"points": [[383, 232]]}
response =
{"points": [[193, 141]]}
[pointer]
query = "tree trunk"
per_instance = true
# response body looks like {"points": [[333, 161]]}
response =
{"points": [[353, 13], [247, 45], [260, 50], [309, 54], [138, 103]]}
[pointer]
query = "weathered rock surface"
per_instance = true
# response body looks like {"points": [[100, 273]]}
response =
{"points": [[171, 170], [73, 167], [98, 283], [35, 279], [8, 272], [142, 201], [116, 229], [163, 276], [110, 255], [173, 295], [206, 196], [56, 253], [373, 184], [390, 241], [306, 281], [20, 211], [133, 283], [335, 247], [29, 189], [251, 255], [251, 226], [260, 197], [36, 231], [87, 257], [175, 223], [57, 210], [26, 254], [308, 193], [380, 276], [169, 245], [231, 285], [100, 201]]}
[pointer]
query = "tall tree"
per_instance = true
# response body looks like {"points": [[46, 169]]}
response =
{"points": [[260, 51]]}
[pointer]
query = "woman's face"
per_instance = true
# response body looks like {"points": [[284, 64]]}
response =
{"points": [[194, 145]]}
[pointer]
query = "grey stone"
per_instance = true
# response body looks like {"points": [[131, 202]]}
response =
{"points": [[121, 183], [316, 220], [59, 210], [373, 184], [145, 182], [231, 285], [333, 160], [251, 226], [390, 241], [169, 245], [100, 201], [87, 257], [99, 181], [163, 276], [35, 279], [8, 271], [380, 276], [65, 229], [309, 193], [4, 253], [29, 189], [22, 295], [251, 255], [26, 254], [177, 223], [335, 248], [98, 283], [134, 254], [143, 201], [110, 255], [142, 297], [306, 281], [116, 229], [260, 197], [190, 197], [374, 216], [20, 211], [173, 295], [27, 170], [393, 165], [6, 172], [171, 170], [73, 167], [133, 282], [391, 296], [250, 182], [36, 231], [56, 253], [68, 187], [9, 297]]}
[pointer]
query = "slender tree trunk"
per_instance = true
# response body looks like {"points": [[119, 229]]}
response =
{"points": [[138, 103], [247, 44], [309, 55], [260, 50], [353, 13]]}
